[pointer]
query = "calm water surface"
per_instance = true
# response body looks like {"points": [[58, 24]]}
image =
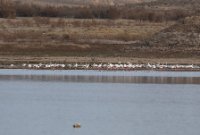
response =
{"points": [[105, 103]]}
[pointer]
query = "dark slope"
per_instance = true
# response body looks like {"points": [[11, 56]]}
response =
{"points": [[183, 36]]}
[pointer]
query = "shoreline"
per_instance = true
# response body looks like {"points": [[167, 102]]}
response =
{"points": [[105, 67], [5, 59], [99, 63]]}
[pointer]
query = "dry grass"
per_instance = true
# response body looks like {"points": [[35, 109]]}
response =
{"points": [[71, 37], [124, 30]]}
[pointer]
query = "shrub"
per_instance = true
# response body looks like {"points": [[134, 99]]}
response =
{"points": [[10, 9], [7, 9], [66, 36]]}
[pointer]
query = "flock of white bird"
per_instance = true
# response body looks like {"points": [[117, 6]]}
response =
{"points": [[108, 66]]}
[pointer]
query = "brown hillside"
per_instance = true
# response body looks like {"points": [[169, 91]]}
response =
{"points": [[184, 35]]}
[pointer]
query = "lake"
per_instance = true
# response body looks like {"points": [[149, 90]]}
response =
{"points": [[45, 102]]}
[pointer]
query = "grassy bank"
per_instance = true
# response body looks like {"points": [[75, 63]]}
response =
{"points": [[40, 36]]}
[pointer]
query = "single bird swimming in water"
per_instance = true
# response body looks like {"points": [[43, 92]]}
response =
{"points": [[77, 125]]}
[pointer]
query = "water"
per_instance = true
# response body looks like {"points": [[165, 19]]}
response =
{"points": [[105, 103]]}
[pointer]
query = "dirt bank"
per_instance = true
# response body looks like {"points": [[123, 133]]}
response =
{"points": [[29, 59]]}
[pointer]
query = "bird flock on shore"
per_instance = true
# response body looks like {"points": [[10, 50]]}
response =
{"points": [[106, 66]]}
